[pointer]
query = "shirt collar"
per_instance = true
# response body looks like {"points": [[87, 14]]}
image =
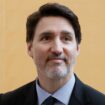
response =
{"points": [[64, 91]]}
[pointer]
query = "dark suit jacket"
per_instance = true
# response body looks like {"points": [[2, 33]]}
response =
{"points": [[27, 95]]}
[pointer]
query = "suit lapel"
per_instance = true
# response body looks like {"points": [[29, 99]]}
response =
{"points": [[31, 96], [78, 96]]}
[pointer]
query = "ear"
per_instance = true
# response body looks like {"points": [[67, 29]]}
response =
{"points": [[29, 49], [78, 49]]}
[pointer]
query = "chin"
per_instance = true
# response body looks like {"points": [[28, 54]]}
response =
{"points": [[57, 73]]}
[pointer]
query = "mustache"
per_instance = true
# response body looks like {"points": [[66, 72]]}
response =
{"points": [[54, 56]]}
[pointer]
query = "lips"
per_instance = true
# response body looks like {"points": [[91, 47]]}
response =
{"points": [[56, 60]]}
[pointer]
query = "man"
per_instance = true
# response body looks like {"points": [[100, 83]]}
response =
{"points": [[53, 39]]}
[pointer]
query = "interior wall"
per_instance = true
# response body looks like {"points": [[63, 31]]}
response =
{"points": [[17, 68]]}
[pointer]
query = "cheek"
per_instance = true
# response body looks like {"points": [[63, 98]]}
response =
{"points": [[70, 52], [39, 55]]}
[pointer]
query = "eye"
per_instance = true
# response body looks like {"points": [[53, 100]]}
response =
{"points": [[45, 38], [67, 38]]}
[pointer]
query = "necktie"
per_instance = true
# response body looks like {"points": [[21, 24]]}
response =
{"points": [[49, 101]]}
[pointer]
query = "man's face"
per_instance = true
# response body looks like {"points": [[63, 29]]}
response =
{"points": [[54, 48]]}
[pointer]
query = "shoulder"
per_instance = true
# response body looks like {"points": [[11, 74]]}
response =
{"points": [[94, 96], [0, 98], [86, 94], [16, 96]]}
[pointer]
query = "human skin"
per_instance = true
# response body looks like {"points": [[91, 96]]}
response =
{"points": [[54, 51]]}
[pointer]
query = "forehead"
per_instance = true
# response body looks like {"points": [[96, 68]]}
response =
{"points": [[53, 24]]}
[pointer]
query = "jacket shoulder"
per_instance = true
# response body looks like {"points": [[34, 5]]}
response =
{"points": [[94, 96], [16, 97], [0, 98], [86, 95]]}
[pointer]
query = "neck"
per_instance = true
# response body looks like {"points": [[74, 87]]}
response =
{"points": [[52, 85]]}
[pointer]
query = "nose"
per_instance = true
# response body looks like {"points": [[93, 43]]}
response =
{"points": [[57, 47]]}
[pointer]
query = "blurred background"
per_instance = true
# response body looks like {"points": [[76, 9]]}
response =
{"points": [[17, 68]]}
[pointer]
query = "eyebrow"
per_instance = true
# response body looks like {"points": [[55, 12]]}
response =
{"points": [[48, 33], [43, 34], [67, 33]]}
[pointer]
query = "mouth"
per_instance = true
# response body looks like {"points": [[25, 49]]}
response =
{"points": [[56, 60]]}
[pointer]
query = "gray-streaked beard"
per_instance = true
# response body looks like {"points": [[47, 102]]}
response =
{"points": [[62, 73], [58, 74]]}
